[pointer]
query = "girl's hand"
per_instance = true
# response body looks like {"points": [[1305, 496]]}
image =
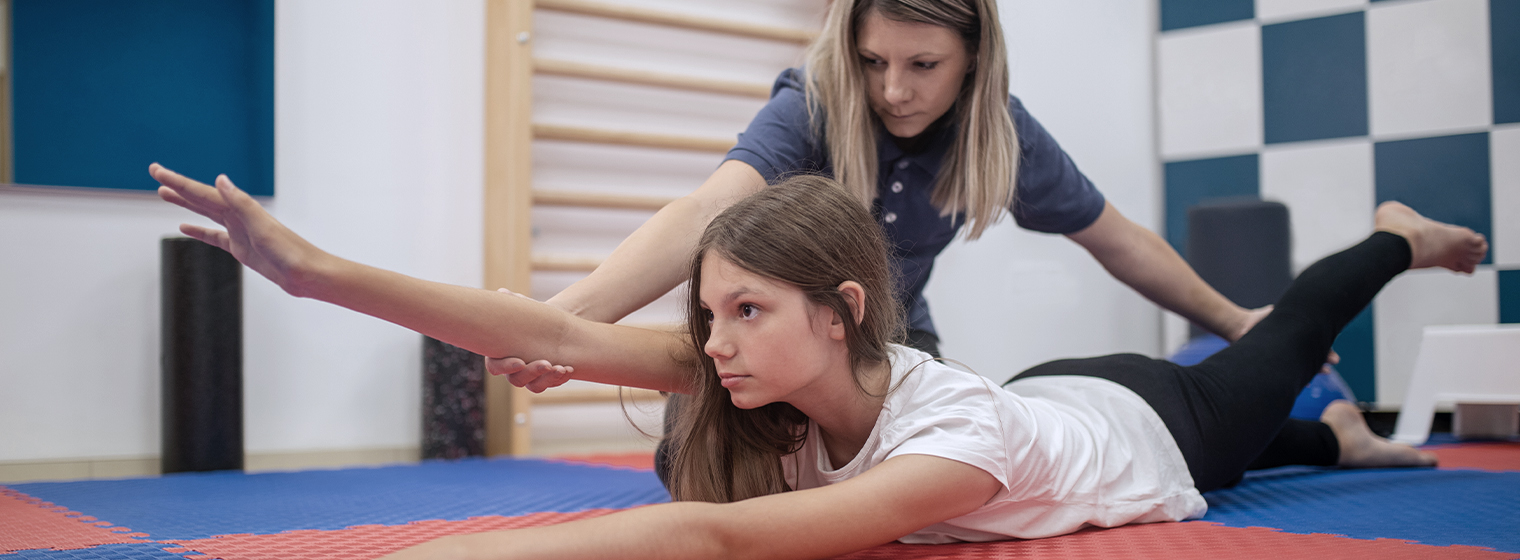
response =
{"points": [[252, 236]]}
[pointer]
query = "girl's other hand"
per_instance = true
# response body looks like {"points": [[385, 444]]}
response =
{"points": [[251, 235]]}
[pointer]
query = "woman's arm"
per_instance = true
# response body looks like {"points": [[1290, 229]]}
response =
{"points": [[1140, 258], [897, 497], [652, 260], [485, 322], [645, 266]]}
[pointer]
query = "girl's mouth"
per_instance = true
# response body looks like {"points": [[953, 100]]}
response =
{"points": [[731, 379]]}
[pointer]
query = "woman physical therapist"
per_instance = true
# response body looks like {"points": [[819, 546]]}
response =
{"points": [[906, 103]]}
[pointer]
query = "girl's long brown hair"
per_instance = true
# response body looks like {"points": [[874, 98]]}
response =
{"points": [[978, 175], [807, 232]]}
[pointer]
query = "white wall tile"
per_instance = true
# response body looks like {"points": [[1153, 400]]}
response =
{"points": [[1328, 188], [1210, 90], [1419, 299], [1428, 67], [1271, 11], [1504, 144]]}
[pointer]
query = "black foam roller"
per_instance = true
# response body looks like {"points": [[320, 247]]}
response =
{"points": [[1243, 248], [202, 357], [453, 401]]}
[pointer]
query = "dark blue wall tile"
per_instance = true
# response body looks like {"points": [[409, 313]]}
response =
{"points": [[102, 88], [1509, 296], [1314, 78], [1445, 178], [1357, 348], [1177, 14], [1191, 182], [1504, 32]]}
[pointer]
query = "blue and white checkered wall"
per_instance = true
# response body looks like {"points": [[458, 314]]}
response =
{"points": [[1332, 106]]}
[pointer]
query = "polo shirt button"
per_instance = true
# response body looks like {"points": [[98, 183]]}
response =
{"points": [[897, 186], [890, 217], [902, 164]]}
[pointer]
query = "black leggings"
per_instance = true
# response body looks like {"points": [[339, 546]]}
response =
{"points": [[1229, 413]]}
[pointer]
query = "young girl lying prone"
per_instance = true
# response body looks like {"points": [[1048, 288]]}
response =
{"points": [[812, 434]]}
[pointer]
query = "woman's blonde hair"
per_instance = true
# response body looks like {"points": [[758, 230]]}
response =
{"points": [[977, 177], [807, 232]]}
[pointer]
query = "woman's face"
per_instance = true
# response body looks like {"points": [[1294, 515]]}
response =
{"points": [[914, 71]]}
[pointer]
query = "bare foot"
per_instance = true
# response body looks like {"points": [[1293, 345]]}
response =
{"points": [[1360, 448], [1432, 243]]}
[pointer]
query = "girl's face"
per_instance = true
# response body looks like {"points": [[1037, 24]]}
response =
{"points": [[770, 344], [914, 71]]}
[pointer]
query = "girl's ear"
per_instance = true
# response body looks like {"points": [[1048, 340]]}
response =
{"points": [[855, 294]]}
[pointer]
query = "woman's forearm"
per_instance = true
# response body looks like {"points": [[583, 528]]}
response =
{"points": [[1144, 261], [652, 260]]}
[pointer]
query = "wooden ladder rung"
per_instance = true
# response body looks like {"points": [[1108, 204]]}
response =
{"points": [[649, 78], [594, 395], [622, 138], [699, 23], [599, 200]]}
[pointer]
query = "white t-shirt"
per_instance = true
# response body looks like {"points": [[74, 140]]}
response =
{"points": [[1070, 451]]}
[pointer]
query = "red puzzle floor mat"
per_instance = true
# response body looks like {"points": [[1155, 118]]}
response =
{"points": [[1488, 456], [31, 528], [641, 460], [30, 523]]}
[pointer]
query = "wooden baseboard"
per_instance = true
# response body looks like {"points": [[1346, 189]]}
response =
{"points": [[132, 467]]}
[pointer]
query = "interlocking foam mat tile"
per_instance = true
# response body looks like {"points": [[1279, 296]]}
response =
{"points": [[1436, 507], [1466, 509], [201, 505]]}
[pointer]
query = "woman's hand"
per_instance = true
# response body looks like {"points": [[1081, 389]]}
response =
{"points": [[536, 376], [1254, 316], [252, 236]]}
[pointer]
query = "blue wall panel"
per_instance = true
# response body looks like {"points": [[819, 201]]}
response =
{"points": [[1504, 28], [102, 88], [1509, 296], [1446, 178], [1357, 348], [1314, 78], [1191, 182], [1177, 14]]}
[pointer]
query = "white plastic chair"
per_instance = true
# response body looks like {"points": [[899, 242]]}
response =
{"points": [[1466, 365]]}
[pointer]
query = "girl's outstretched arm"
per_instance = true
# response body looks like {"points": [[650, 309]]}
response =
{"points": [[897, 497], [484, 322]]}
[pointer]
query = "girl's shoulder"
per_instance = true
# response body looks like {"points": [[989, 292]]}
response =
{"points": [[920, 381]]}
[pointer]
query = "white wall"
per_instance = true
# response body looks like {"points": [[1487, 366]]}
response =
{"points": [[378, 158], [1015, 298]]}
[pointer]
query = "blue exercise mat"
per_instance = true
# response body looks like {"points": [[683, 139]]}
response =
{"points": [[202, 505], [1435, 507], [143, 551]]}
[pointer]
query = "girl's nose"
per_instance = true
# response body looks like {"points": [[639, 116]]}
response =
{"points": [[718, 347]]}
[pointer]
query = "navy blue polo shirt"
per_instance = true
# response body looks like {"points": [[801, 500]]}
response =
{"points": [[1052, 196]]}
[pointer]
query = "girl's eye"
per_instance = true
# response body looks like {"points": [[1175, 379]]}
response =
{"points": [[747, 311], [928, 65], [708, 315], [868, 61]]}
